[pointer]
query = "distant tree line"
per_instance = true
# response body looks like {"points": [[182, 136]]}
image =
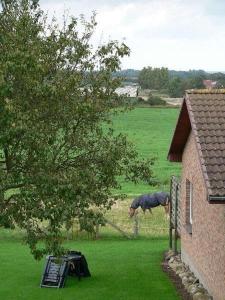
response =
{"points": [[176, 82], [170, 81], [129, 74], [187, 74], [177, 85]]}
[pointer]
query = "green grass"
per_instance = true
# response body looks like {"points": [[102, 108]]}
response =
{"points": [[151, 130], [150, 225], [121, 269]]}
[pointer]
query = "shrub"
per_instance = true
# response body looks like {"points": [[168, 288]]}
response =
{"points": [[140, 100], [155, 100]]}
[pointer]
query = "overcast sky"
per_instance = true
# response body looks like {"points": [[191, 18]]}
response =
{"points": [[178, 34]]}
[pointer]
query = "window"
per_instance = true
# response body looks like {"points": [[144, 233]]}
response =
{"points": [[189, 206], [190, 202]]}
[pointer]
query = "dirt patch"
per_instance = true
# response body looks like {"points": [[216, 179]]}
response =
{"points": [[176, 281]]}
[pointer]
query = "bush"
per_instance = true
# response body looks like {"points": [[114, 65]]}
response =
{"points": [[140, 100], [155, 100]]}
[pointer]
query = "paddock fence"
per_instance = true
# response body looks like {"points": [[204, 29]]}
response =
{"points": [[175, 213], [118, 223]]}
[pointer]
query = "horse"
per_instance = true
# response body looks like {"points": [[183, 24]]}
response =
{"points": [[149, 201]]}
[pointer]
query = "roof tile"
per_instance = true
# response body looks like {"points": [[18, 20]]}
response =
{"points": [[207, 110]]}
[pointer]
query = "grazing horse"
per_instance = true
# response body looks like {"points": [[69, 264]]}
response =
{"points": [[148, 201]]}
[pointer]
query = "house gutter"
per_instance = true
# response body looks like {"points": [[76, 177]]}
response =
{"points": [[217, 199]]}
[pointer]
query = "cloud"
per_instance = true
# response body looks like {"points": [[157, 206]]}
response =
{"points": [[179, 34]]}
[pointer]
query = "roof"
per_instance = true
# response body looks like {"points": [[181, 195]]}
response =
{"points": [[129, 90], [203, 111], [209, 84]]}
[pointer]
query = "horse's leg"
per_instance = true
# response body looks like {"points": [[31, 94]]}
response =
{"points": [[150, 211], [167, 210]]}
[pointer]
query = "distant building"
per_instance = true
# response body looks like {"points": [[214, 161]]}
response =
{"points": [[209, 84], [129, 90]]}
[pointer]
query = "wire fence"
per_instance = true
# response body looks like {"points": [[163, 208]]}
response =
{"points": [[118, 223]]}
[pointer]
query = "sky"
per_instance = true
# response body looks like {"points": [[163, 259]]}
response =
{"points": [[177, 34]]}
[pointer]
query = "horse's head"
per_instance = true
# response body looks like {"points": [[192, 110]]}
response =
{"points": [[131, 212], [134, 205]]}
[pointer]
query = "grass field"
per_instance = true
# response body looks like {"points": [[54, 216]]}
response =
{"points": [[151, 130], [150, 225], [121, 269]]}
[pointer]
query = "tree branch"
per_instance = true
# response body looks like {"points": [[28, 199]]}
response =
{"points": [[7, 201], [7, 159], [65, 142], [12, 186]]}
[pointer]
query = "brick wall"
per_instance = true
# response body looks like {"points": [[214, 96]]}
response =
{"points": [[204, 249]]}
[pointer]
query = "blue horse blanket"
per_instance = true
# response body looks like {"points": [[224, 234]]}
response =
{"points": [[148, 201]]}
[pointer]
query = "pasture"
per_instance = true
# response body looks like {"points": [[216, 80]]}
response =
{"points": [[151, 130]]}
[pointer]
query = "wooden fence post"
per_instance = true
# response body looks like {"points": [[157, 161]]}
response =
{"points": [[136, 225], [170, 213], [97, 232], [175, 220]]}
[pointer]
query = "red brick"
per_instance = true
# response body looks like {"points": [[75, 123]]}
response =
{"points": [[204, 249]]}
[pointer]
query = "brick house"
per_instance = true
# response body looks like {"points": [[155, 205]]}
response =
{"points": [[199, 143]]}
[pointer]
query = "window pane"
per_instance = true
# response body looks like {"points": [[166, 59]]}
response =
{"points": [[189, 202]]}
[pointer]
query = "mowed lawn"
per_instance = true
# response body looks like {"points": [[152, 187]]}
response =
{"points": [[121, 270], [151, 130]]}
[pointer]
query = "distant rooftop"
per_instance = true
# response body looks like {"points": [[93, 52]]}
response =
{"points": [[206, 91], [129, 90]]}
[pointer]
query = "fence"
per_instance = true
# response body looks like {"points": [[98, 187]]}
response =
{"points": [[175, 214], [118, 223], [145, 225]]}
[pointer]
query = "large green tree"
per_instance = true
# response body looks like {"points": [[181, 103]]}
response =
{"points": [[176, 87], [153, 78], [58, 161]]}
